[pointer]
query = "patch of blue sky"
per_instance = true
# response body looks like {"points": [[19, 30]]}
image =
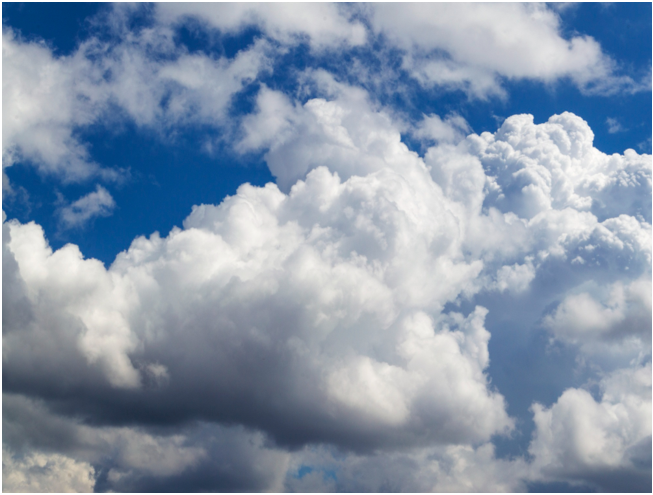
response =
{"points": [[327, 474], [62, 25]]}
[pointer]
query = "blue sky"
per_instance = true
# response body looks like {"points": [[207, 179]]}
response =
{"points": [[448, 271]]}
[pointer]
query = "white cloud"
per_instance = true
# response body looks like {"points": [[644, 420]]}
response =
{"points": [[455, 46], [343, 133], [345, 286], [473, 46], [446, 469], [554, 165], [610, 323], [48, 98], [516, 277], [99, 203], [452, 129], [323, 25], [44, 99], [624, 313], [50, 473], [314, 312], [580, 438]]}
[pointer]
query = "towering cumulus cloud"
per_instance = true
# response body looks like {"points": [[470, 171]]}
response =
{"points": [[329, 330]]}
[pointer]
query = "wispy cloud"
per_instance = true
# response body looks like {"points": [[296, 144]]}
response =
{"points": [[99, 203], [614, 126]]}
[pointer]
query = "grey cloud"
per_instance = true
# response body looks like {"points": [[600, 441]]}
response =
{"points": [[193, 457], [608, 436]]}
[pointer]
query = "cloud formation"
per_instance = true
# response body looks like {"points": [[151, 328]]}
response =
{"points": [[605, 442], [317, 315], [475, 46], [94, 204], [45, 473], [332, 330], [44, 99], [142, 77], [469, 47], [323, 25], [146, 77]]}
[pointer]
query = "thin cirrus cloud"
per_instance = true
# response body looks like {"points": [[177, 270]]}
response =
{"points": [[330, 331]]}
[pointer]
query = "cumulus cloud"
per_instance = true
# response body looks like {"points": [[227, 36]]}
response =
{"points": [[49, 98], [605, 442], [326, 305], [625, 313], [469, 47], [343, 132], [335, 310], [154, 82], [554, 165], [44, 99], [473, 46], [198, 456], [452, 129], [450, 469]]}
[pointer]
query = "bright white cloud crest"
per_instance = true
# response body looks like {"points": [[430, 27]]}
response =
{"points": [[328, 320]]}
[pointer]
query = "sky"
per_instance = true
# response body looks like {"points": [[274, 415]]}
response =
{"points": [[326, 247]]}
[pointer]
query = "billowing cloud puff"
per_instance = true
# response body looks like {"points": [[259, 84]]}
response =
{"points": [[347, 333], [525, 195], [331, 315], [625, 314], [606, 442], [342, 132], [320, 314], [554, 165], [44, 99], [145, 76]]}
